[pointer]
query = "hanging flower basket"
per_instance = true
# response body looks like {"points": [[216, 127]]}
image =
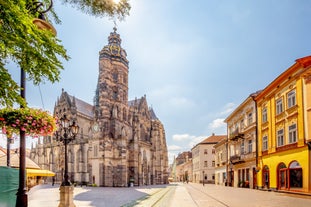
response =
{"points": [[34, 122]]}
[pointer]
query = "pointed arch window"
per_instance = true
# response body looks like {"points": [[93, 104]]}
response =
{"points": [[115, 77]]}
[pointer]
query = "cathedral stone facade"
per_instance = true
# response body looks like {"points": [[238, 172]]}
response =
{"points": [[120, 141]]}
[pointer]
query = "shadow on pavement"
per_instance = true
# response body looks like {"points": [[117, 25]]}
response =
{"points": [[110, 197]]}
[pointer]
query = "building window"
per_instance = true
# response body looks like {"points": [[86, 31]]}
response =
{"points": [[292, 133], [115, 95], [265, 143], [250, 146], [213, 151], [205, 163], [291, 99], [115, 77], [250, 118], [280, 136], [220, 157], [264, 115], [242, 124], [213, 163], [205, 151], [242, 147], [279, 106]]}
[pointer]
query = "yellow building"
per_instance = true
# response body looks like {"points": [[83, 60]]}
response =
{"points": [[284, 130]]}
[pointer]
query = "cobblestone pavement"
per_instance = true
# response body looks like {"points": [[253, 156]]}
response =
{"points": [[222, 196], [179, 194]]}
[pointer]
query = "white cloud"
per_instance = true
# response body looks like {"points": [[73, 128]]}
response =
{"points": [[228, 108], [181, 137], [174, 148], [171, 157], [217, 123], [196, 140], [188, 140]]}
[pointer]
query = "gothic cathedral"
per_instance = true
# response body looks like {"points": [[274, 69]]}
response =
{"points": [[120, 142]]}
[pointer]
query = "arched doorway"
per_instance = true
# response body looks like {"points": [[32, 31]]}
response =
{"points": [[265, 177], [295, 175], [282, 173]]}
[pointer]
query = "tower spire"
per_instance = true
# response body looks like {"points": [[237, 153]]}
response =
{"points": [[113, 49]]}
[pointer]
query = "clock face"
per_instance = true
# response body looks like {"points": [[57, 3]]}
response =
{"points": [[95, 128], [115, 50]]}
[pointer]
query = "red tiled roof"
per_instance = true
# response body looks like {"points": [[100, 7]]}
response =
{"points": [[213, 139]]}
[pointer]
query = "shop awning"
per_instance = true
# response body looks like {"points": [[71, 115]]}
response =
{"points": [[38, 172]]}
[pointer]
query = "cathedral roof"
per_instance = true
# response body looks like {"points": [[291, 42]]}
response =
{"points": [[153, 115], [82, 106]]}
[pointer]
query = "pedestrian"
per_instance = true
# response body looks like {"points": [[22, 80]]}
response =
{"points": [[53, 181]]}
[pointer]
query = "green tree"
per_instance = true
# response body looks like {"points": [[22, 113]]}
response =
{"points": [[38, 52]]}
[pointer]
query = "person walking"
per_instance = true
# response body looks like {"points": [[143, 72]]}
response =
{"points": [[53, 181]]}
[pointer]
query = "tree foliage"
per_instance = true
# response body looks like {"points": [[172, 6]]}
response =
{"points": [[102, 7], [38, 52]]}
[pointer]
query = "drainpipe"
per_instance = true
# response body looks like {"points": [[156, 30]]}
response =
{"points": [[256, 134], [227, 155]]}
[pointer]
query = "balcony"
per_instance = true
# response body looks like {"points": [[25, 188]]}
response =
{"points": [[248, 156], [236, 159], [236, 134]]}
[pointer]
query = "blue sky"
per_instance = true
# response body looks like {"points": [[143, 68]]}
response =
{"points": [[195, 60]]}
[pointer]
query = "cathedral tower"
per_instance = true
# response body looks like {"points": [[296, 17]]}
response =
{"points": [[111, 99], [111, 112]]}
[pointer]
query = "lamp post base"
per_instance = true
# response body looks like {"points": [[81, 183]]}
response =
{"points": [[66, 196]]}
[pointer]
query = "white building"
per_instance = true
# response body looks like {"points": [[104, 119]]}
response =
{"points": [[203, 159]]}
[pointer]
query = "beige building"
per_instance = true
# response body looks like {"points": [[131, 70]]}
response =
{"points": [[183, 169], [203, 159], [241, 127], [221, 160], [119, 142]]}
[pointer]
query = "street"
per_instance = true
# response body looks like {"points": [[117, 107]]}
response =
{"points": [[177, 194]]}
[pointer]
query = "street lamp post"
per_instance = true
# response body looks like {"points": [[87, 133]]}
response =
{"points": [[67, 132], [21, 195]]}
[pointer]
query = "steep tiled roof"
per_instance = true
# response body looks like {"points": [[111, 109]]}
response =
{"points": [[213, 139], [153, 115], [83, 107]]}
